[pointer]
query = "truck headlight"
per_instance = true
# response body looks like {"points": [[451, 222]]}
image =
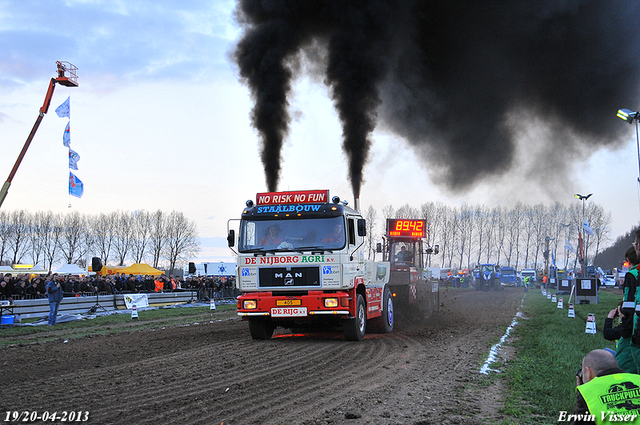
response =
{"points": [[249, 304], [331, 302]]}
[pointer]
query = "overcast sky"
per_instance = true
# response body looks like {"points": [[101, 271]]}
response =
{"points": [[161, 121]]}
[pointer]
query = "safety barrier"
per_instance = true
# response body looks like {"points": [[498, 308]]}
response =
{"points": [[92, 303]]}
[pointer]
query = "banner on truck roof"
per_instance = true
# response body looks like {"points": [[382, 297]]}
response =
{"points": [[297, 197]]}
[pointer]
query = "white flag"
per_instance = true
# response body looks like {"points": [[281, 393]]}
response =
{"points": [[64, 110], [587, 228]]}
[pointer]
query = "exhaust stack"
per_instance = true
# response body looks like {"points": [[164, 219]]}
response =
{"points": [[356, 204]]}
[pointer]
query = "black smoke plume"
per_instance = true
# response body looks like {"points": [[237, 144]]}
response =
{"points": [[447, 76]]}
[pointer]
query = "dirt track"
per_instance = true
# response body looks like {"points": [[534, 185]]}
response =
{"points": [[212, 373]]}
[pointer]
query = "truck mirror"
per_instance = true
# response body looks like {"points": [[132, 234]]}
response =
{"points": [[231, 238], [362, 227], [378, 247]]}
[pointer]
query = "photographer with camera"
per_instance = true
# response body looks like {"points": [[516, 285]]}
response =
{"points": [[599, 383], [625, 353]]}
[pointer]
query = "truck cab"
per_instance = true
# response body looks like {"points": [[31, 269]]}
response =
{"points": [[301, 261]]}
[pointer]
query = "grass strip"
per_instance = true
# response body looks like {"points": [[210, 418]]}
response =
{"points": [[550, 347]]}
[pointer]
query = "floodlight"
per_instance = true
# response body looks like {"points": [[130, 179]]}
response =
{"points": [[627, 115]]}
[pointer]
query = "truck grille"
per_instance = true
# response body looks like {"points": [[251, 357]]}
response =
{"points": [[287, 277]]}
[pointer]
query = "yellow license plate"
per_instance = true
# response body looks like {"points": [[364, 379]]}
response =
{"points": [[288, 302]]}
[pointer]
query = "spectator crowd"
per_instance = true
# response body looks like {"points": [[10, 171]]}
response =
{"points": [[26, 286]]}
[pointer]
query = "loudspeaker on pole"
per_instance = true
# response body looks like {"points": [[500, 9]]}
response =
{"points": [[96, 264]]}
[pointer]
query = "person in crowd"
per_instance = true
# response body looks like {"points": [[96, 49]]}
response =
{"points": [[629, 348], [631, 296], [527, 282], [626, 353], [9, 284], [159, 283], [5, 290], [272, 237], [596, 384], [130, 284], [67, 286], [54, 293], [42, 290], [20, 290], [148, 283], [32, 290], [119, 282]]}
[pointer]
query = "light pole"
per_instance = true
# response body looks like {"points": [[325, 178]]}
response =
{"points": [[583, 260], [629, 116]]}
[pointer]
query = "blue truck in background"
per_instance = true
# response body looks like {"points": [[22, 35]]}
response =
{"points": [[508, 276]]}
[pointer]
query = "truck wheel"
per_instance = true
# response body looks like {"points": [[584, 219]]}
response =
{"points": [[353, 329], [260, 328], [384, 323]]}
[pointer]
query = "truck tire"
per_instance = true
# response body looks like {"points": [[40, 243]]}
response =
{"points": [[354, 328], [384, 323], [261, 328]]}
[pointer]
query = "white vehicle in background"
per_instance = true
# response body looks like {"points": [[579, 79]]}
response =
{"points": [[530, 273]]}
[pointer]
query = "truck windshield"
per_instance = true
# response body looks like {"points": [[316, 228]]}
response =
{"points": [[325, 234]]}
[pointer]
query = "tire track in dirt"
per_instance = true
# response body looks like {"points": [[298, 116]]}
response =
{"points": [[214, 372]]}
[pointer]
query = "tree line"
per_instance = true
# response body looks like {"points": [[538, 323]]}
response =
{"points": [[521, 237], [45, 238]]}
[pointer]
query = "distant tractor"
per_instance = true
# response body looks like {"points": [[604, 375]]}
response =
{"points": [[487, 277]]}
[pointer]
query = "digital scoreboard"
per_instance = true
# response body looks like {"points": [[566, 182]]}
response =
{"points": [[404, 228]]}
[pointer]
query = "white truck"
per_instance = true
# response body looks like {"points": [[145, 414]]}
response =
{"points": [[301, 261]]}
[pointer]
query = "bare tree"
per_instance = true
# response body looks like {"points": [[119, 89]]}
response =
{"points": [[600, 223], [124, 236], [370, 216], [407, 211], [19, 224], [538, 223], [514, 228], [388, 211], [38, 233], [465, 226], [433, 214], [481, 219], [104, 229], [4, 236], [557, 214], [182, 239], [53, 238], [157, 237], [72, 237], [141, 235]]}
